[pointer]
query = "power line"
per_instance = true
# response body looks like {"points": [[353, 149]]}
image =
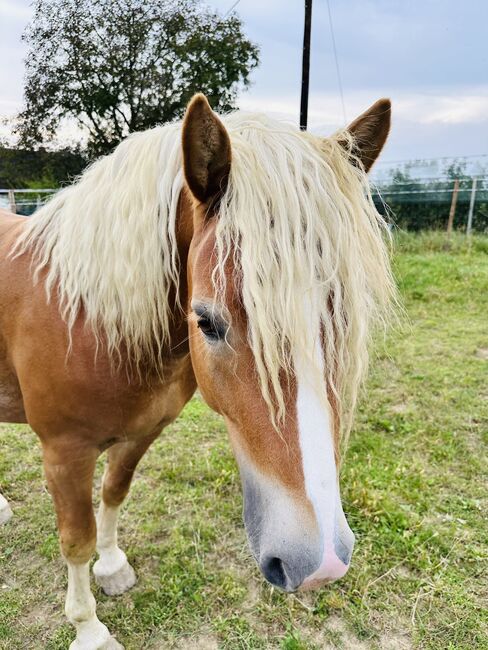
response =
{"points": [[386, 192], [421, 160], [425, 180], [339, 80], [232, 8]]}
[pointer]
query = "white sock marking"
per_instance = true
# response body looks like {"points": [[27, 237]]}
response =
{"points": [[112, 558], [112, 570], [80, 609], [5, 510]]}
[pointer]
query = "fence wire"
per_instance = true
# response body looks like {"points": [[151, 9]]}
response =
{"points": [[408, 204]]}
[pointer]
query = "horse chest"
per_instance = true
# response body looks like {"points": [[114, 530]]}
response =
{"points": [[162, 403]]}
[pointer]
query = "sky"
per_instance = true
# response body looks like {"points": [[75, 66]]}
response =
{"points": [[429, 56]]}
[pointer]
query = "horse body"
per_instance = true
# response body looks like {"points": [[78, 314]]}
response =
{"points": [[97, 358], [80, 403]]}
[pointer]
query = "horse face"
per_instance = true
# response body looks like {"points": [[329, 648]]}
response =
{"points": [[292, 507]]}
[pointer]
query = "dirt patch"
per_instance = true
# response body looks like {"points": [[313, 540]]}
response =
{"points": [[201, 642], [204, 641], [395, 642], [482, 353], [399, 408], [336, 635]]}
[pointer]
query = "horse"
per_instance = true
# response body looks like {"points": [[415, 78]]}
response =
{"points": [[236, 254]]}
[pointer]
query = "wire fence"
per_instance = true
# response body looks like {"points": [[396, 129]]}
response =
{"points": [[435, 203], [24, 201], [431, 203]]}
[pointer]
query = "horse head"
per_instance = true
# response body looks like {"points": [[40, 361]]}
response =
{"points": [[287, 268]]}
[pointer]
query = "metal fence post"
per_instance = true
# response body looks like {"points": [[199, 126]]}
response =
{"points": [[11, 201], [469, 227]]}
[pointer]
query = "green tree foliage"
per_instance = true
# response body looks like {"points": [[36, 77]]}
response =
{"points": [[24, 168], [117, 66]]}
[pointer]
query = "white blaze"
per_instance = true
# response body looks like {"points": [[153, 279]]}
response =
{"points": [[316, 440], [318, 458]]}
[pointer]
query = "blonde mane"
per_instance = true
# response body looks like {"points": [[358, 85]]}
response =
{"points": [[109, 243], [297, 217]]}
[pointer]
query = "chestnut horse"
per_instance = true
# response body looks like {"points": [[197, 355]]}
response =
{"points": [[238, 255]]}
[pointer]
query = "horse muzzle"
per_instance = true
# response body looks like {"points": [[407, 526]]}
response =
{"points": [[293, 550]]}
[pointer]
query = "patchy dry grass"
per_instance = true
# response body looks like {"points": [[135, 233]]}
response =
{"points": [[414, 486]]}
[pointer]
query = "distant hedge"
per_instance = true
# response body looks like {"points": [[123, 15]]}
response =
{"points": [[23, 168]]}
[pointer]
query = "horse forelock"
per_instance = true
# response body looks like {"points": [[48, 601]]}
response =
{"points": [[299, 223]]}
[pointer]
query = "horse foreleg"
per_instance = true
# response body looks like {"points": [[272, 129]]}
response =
{"points": [[5, 510], [70, 483], [112, 571]]}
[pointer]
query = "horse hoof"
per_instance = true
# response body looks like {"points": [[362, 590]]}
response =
{"points": [[115, 584], [5, 510]]}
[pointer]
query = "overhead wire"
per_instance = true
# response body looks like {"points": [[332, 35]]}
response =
{"points": [[424, 160], [336, 59], [232, 8]]}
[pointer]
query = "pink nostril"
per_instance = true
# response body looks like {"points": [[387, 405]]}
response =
{"points": [[331, 568]]}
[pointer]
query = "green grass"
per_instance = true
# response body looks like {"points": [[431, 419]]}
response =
{"points": [[437, 241], [414, 488]]}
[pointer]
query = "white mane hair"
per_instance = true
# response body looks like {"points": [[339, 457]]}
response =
{"points": [[297, 218], [108, 243]]}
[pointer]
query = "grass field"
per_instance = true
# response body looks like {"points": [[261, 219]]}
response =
{"points": [[414, 486]]}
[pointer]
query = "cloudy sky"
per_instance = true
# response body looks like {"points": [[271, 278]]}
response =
{"points": [[429, 56]]}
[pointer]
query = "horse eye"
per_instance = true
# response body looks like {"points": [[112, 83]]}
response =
{"points": [[209, 328]]}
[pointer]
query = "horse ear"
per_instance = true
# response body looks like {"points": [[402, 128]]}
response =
{"points": [[370, 131], [206, 150]]}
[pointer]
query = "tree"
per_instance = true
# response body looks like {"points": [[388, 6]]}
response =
{"points": [[456, 169], [25, 168], [117, 66]]}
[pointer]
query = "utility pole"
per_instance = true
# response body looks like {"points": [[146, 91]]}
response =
{"points": [[306, 65], [11, 201]]}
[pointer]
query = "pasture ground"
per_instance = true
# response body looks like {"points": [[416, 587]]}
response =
{"points": [[414, 487]]}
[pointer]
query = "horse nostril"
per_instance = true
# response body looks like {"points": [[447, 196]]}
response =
{"points": [[274, 572]]}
